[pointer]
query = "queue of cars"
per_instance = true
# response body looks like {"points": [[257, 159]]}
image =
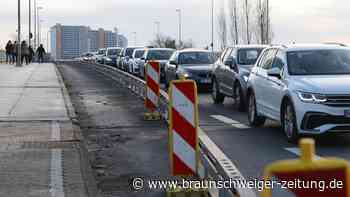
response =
{"points": [[303, 87]]}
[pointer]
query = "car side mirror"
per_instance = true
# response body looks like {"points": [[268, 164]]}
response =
{"points": [[142, 58], [274, 72], [172, 62]]}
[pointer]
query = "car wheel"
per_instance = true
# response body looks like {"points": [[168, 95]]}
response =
{"points": [[217, 96], [253, 117], [289, 123], [239, 98]]}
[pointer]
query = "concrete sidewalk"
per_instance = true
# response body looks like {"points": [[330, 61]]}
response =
{"points": [[40, 154]]}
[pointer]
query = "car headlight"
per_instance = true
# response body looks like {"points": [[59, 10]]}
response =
{"points": [[245, 78], [184, 75], [312, 97], [108, 59]]}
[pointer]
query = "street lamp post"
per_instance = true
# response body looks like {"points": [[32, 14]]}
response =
{"points": [[19, 54], [212, 25], [30, 22], [157, 23], [180, 26], [135, 37], [37, 36], [39, 31], [35, 25]]}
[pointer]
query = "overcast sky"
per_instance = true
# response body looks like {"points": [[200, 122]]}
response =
{"points": [[293, 20]]}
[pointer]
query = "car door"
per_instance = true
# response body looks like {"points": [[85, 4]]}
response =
{"points": [[230, 74], [222, 69], [275, 87], [261, 80]]}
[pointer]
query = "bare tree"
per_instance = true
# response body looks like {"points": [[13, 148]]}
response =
{"points": [[264, 31], [222, 29], [247, 14], [162, 41], [233, 25]]}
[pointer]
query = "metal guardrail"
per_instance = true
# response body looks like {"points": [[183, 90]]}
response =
{"points": [[216, 165]]}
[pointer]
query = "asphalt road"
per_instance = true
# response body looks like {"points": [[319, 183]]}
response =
{"points": [[121, 145], [251, 149]]}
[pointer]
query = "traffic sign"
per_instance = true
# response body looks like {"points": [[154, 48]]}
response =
{"points": [[308, 176], [183, 133]]}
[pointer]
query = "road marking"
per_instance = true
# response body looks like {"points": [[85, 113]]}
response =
{"points": [[56, 185], [56, 172], [229, 121], [297, 152], [55, 131]]}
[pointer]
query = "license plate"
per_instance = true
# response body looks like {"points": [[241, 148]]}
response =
{"points": [[347, 113], [206, 81]]}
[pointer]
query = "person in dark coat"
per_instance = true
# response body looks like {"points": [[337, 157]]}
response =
{"points": [[14, 52], [41, 52], [31, 54], [8, 49], [24, 52]]}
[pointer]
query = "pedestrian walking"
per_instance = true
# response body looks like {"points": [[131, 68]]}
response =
{"points": [[8, 49], [31, 54], [25, 52], [14, 52], [41, 52]]}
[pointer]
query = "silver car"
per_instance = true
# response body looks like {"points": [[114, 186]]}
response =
{"points": [[231, 72], [136, 61]]}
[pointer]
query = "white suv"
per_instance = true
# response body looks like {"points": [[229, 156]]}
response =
{"points": [[304, 87]]}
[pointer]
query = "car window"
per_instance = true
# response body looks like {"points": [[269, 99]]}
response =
{"points": [[159, 54], [173, 57], [228, 53], [196, 58], [280, 60], [319, 62], [248, 56], [223, 54], [262, 58], [268, 59], [138, 53]]}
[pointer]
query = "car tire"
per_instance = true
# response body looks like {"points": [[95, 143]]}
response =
{"points": [[289, 123], [254, 119], [217, 96], [238, 96]]}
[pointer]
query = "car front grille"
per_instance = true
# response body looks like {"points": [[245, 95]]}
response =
{"points": [[314, 120], [338, 100]]}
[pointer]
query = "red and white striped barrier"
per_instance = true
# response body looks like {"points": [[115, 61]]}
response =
{"points": [[183, 134], [153, 87]]}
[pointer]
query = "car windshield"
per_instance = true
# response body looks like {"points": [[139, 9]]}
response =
{"points": [[248, 56], [139, 53], [129, 52], [319, 62], [113, 51], [196, 58], [101, 52], [159, 54]]}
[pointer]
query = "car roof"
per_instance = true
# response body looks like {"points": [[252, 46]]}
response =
{"points": [[109, 48], [247, 46], [159, 49], [306, 47], [193, 50]]}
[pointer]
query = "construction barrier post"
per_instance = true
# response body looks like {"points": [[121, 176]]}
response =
{"points": [[308, 176], [183, 134], [152, 90]]}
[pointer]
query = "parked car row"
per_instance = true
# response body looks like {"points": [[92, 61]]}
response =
{"points": [[303, 87]]}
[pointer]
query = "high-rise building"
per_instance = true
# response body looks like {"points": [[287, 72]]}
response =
{"points": [[72, 41]]}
